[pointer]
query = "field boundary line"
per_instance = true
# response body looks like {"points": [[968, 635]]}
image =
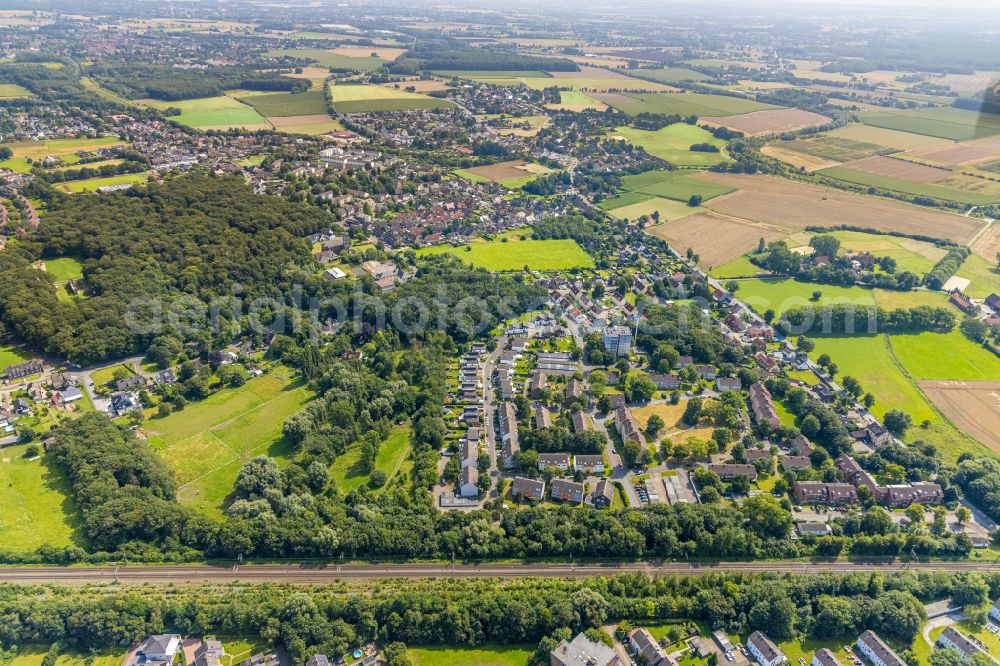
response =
{"points": [[223, 424], [239, 456]]}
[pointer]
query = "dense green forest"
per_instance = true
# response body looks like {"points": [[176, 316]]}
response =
{"points": [[163, 82]]}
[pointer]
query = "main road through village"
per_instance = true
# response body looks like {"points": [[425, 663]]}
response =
{"points": [[326, 573]]}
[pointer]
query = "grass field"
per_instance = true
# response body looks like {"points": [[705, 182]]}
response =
{"points": [[36, 508], [213, 112], [63, 148], [62, 271], [514, 255], [33, 655], [945, 123], [13, 91], [392, 458], [945, 356], [573, 100], [331, 59], [737, 268], [685, 104], [311, 102], [984, 276], [908, 186], [484, 655], [361, 98], [10, 355], [882, 136], [99, 90], [673, 142], [837, 148], [207, 442], [910, 255], [779, 294], [677, 185], [91, 184], [667, 208]]}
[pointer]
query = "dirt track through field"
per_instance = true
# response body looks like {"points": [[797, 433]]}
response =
{"points": [[972, 406]]}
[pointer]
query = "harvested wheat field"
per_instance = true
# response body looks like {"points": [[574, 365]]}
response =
{"points": [[968, 83], [315, 124], [987, 245], [793, 205], [714, 238], [383, 52], [966, 152], [770, 121], [901, 169], [798, 160], [972, 406]]}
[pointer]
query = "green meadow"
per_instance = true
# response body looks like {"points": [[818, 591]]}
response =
{"points": [[392, 458], [984, 276], [36, 508], [685, 104], [91, 184], [515, 255], [309, 103], [207, 442], [673, 142], [483, 655], [945, 123], [678, 184], [780, 294], [212, 112], [330, 59]]}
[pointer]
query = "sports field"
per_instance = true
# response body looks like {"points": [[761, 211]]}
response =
{"points": [[946, 123], [362, 98], [673, 144], [685, 104], [392, 458], [220, 112], [36, 507], [207, 442], [515, 255]]}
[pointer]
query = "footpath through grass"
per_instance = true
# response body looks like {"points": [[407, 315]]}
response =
{"points": [[392, 458]]}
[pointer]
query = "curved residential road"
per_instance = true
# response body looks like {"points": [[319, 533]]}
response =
{"points": [[326, 573]]}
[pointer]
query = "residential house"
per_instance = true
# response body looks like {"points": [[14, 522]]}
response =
{"points": [[581, 651], [158, 649], [537, 386], [789, 463], [959, 300], [604, 494], [528, 488], [588, 464], [802, 446], [763, 406], [876, 651], [644, 644], [468, 480], [627, 426], [666, 382], [318, 660], [705, 372], [559, 460], [508, 433], [574, 391], [209, 653], [764, 650], [953, 639], [122, 403], [24, 369], [543, 419], [617, 340], [70, 394], [566, 491], [817, 492], [995, 611], [812, 529], [728, 384], [580, 422]]}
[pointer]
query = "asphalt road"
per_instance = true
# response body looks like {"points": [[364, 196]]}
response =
{"points": [[326, 573]]}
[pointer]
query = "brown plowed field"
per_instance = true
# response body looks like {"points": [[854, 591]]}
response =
{"points": [[793, 205], [771, 121], [714, 238], [889, 166], [972, 406]]}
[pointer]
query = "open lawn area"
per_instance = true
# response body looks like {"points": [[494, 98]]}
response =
{"points": [[983, 275], [514, 255], [238, 649], [106, 375], [34, 655], [220, 112], [673, 143], [63, 148], [780, 294], [91, 184], [678, 185], [13, 91], [9, 355], [944, 356], [737, 268], [207, 442], [392, 458], [484, 655], [911, 255], [573, 100], [668, 209], [36, 508], [351, 98], [674, 428]]}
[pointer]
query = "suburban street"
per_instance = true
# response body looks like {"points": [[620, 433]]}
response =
{"points": [[328, 573]]}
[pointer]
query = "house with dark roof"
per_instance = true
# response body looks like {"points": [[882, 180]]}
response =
{"points": [[604, 494], [565, 490], [581, 651], [764, 650], [528, 488], [729, 471], [588, 464], [824, 657], [644, 644], [874, 648], [157, 650], [557, 460]]}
